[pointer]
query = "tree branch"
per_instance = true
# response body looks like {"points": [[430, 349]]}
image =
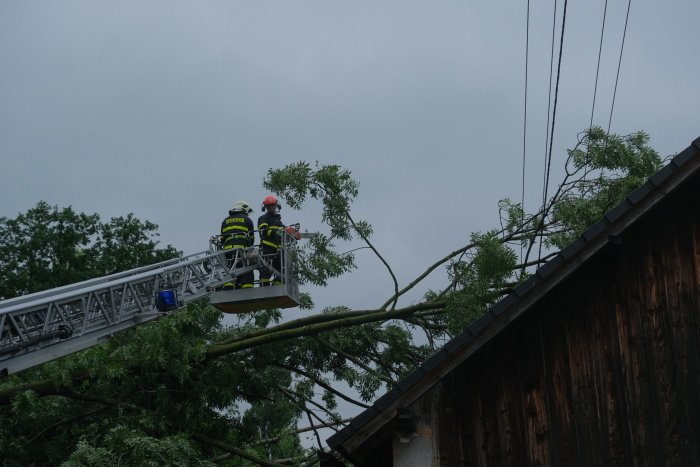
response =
{"points": [[381, 258], [298, 404], [537, 261], [321, 323], [353, 360], [303, 430], [442, 261], [425, 274], [233, 450], [65, 421], [47, 387], [296, 328], [325, 386]]}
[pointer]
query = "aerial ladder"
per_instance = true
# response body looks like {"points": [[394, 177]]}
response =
{"points": [[46, 325]]}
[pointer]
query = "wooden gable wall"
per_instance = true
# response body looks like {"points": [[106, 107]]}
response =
{"points": [[605, 370]]}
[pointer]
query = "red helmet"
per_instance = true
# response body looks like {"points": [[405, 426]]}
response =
{"points": [[269, 200]]}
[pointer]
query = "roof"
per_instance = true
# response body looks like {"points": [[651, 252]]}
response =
{"points": [[682, 167]]}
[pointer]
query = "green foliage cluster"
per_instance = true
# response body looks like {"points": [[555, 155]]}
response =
{"points": [[332, 186], [124, 446], [478, 280], [600, 172], [47, 247], [335, 189], [612, 166], [148, 396]]}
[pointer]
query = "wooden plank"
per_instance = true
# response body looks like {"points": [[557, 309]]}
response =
{"points": [[508, 391], [558, 381], [534, 405]]}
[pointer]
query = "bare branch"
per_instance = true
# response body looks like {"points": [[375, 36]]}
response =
{"points": [[353, 360], [298, 403], [324, 385], [318, 438], [381, 258], [304, 430], [65, 421], [233, 450], [425, 274]]}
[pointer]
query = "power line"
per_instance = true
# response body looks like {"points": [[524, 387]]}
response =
{"points": [[549, 102], [597, 71], [619, 63], [554, 114], [527, 49], [556, 99]]}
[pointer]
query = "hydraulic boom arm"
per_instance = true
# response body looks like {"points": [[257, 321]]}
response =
{"points": [[45, 325]]}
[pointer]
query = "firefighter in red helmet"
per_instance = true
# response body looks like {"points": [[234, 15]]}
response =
{"points": [[270, 228]]}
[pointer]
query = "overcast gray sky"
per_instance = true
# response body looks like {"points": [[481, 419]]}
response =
{"points": [[173, 110]]}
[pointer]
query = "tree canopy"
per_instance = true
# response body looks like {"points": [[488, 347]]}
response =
{"points": [[188, 390], [47, 247]]}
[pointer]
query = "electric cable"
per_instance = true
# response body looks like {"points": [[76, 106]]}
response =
{"points": [[619, 63], [554, 116], [556, 99], [527, 49], [549, 101], [595, 86], [597, 71]]}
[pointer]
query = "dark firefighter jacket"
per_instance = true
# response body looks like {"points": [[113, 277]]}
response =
{"points": [[237, 231], [270, 227]]}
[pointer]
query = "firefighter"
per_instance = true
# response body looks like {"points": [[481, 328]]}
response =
{"points": [[237, 235], [270, 228]]}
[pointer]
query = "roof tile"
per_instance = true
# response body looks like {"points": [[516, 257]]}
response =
{"points": [[434, 360], [334, 440], [659, 177], [596, 229], [504, 304], [364, 417], [477, 326], [389, 397], [461, 339], [618, 211], [573, 248], [409, 380], [686, 155], [526, 286], [550, 266], [638, 194]]}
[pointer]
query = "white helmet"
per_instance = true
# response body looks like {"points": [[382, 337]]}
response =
{"points": [[242, 206]]}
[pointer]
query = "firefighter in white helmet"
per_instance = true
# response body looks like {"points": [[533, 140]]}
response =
{"points": [[237, 233]]}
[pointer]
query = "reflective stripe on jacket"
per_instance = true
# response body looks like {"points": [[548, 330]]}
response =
{"points": [[237, 231], [270, 228]]}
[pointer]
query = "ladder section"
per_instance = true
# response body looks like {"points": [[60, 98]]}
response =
{"points": [[46, 325]]}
